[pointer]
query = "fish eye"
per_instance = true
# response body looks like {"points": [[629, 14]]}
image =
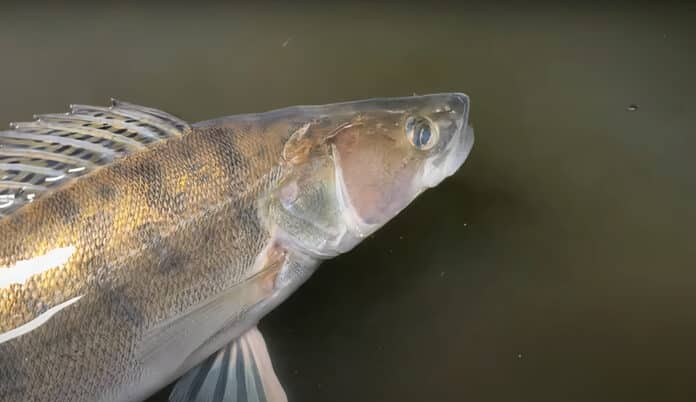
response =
{"points": [[421, 132]]}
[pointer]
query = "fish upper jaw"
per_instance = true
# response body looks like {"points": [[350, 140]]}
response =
{"points": [[461, 152]]}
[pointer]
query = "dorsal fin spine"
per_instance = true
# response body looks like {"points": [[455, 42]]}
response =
{"points": [[93, 120], [179, 124], [37, 154], [147, 119], [60, 140], [21, 186], [30, 168], [86, 130], [41, 155]]}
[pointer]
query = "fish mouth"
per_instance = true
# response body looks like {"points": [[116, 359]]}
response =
{"points": [[434, 173], [460, 152]]}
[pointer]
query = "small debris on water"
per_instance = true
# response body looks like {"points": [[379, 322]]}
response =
{"points": [[287, 41], [466, 224], [519, 355], [632, 107], [442, 274], [401, 237]]}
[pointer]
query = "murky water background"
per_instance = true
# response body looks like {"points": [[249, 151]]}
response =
{"points": [[558, 265]]}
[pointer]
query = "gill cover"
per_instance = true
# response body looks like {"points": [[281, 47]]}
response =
{"points": [[349, 168]]}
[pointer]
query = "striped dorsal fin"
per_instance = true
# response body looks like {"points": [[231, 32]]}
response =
{"points": [[43, 154]]}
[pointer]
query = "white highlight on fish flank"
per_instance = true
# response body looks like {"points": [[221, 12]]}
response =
{"points": [[21, 271], [36, 322]]}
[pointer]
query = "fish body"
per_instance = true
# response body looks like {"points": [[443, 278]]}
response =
{"points": [[136, 269]]}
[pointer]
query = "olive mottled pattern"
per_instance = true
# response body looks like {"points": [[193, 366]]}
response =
{"points": [[153, 232]]}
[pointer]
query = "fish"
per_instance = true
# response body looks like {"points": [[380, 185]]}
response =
{"points": [[137, 249]]}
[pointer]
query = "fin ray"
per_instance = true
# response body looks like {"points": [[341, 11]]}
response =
{"points": [[43, 154], [240, 372]]}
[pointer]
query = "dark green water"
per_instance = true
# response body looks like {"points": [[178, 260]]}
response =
{"points": [[558, 265]]}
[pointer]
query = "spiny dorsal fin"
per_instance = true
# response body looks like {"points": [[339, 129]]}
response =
{"points": [[45, 153]]}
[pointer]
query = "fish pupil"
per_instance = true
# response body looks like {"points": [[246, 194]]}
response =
{"points": [[423, 135]]}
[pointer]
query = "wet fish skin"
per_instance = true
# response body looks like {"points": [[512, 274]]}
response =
{"points": [[159, 233], [147, 233]]}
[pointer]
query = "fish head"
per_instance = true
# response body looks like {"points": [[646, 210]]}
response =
{"points": [[354, 166]]}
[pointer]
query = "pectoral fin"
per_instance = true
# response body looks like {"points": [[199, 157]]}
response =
{"points": [[240, 372]]}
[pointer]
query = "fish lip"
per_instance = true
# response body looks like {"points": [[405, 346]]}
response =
{"points": [[461, 152]]}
